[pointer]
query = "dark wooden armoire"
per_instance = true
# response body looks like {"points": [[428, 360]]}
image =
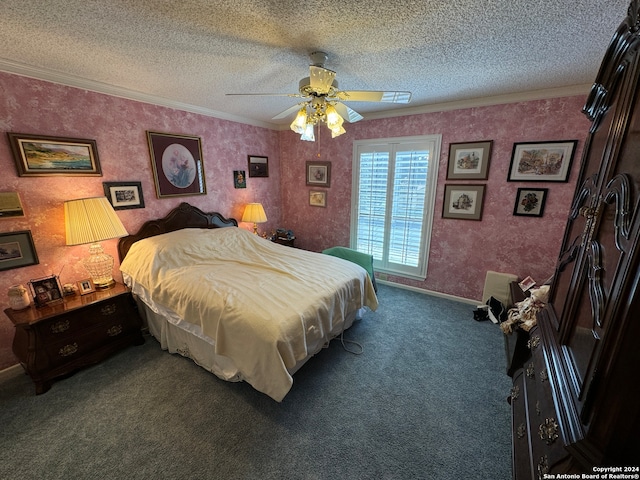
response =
{"points": [[576, 401]]}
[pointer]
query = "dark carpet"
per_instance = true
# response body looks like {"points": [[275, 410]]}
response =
{"points": [[426, 400]]}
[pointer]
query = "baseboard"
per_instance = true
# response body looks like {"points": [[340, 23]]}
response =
{"points": [[11, 372], [430, 292]]}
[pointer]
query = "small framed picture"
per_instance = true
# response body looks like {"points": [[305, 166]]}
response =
{"points": [[469, 161], [39, 156], [527, 284], [10, 205], [86, 286], [124, 195], [17, 250], [542, 161], [317, 198], [530, 202], [177, 163], [239, 179], [258, 166], [463, 202], [46, 291], [319, 174]]}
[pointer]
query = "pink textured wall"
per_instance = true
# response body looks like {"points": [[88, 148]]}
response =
{"points": [[119, 127], [461, 250]]}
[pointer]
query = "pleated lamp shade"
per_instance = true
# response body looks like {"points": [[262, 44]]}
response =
{"points": [[254, 213]]}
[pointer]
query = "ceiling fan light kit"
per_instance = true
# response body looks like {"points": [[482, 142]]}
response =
{"points": [[323, 99]]}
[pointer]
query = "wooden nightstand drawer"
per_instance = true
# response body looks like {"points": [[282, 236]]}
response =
{"points": [[83, 318], [76, 346]]}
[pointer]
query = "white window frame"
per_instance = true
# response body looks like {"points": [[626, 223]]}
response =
{"points": [[393, 145]]}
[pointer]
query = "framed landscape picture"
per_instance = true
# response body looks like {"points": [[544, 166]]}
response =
{"points": [[541, 161], [463, 202], [469, 161], [17, 250], [40, 156], [178, 168], [530, 202]]}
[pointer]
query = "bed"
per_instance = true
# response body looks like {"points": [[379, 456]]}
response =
{"points": [[238, 305]]}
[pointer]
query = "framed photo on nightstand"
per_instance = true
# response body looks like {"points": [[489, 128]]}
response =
{"points": [[46, 291]]}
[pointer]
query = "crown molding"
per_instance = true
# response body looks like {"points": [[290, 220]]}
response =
{"points": [[99, 87], [570, 91]]}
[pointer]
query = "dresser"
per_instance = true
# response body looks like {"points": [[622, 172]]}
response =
{"points": [[56, 340], [576, 400]]}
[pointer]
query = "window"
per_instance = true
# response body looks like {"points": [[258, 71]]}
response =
{"points": [[394, 184]]}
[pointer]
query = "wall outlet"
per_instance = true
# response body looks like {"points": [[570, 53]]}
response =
{"points": [[383, 276]]}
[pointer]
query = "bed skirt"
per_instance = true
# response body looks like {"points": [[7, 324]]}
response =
{"points": [[187, 340]]}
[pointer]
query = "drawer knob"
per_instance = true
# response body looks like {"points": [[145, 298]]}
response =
{"points": [[108, 309], [533, 342], [68, 350], [531, 371], [61, 326], [515, 392], [548, 431], [114, 331]]}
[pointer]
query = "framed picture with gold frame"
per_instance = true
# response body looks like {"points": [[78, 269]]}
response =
{"points": [[317, 198], [178, 168], [86, 286]]}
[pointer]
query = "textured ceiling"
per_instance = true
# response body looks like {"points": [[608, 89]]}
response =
{"points": [[190, 53]]}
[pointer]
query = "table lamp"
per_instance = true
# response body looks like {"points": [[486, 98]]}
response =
{"points": [[254, 213], [92, 220]]}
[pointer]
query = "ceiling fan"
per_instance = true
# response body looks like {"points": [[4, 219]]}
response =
{"points": [[322, 100]]}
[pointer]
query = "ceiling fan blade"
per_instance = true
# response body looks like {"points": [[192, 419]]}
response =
{"points": [[297, 95], [372, 96], [347, 113], [321, 79], [288, 111]]}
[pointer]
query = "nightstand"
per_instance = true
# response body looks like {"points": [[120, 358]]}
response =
{"points": [[58, 339]]}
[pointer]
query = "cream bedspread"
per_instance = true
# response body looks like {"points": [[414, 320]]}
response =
{"points": [[261, 303]]}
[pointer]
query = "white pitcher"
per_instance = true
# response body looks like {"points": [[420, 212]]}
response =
{"points": [[18, 297]]}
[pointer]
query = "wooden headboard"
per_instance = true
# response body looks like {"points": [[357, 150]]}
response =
{"points": [[183, 216]]}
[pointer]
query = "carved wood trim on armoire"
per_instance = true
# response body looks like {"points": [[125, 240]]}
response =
{"points": [[576, 401]]}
